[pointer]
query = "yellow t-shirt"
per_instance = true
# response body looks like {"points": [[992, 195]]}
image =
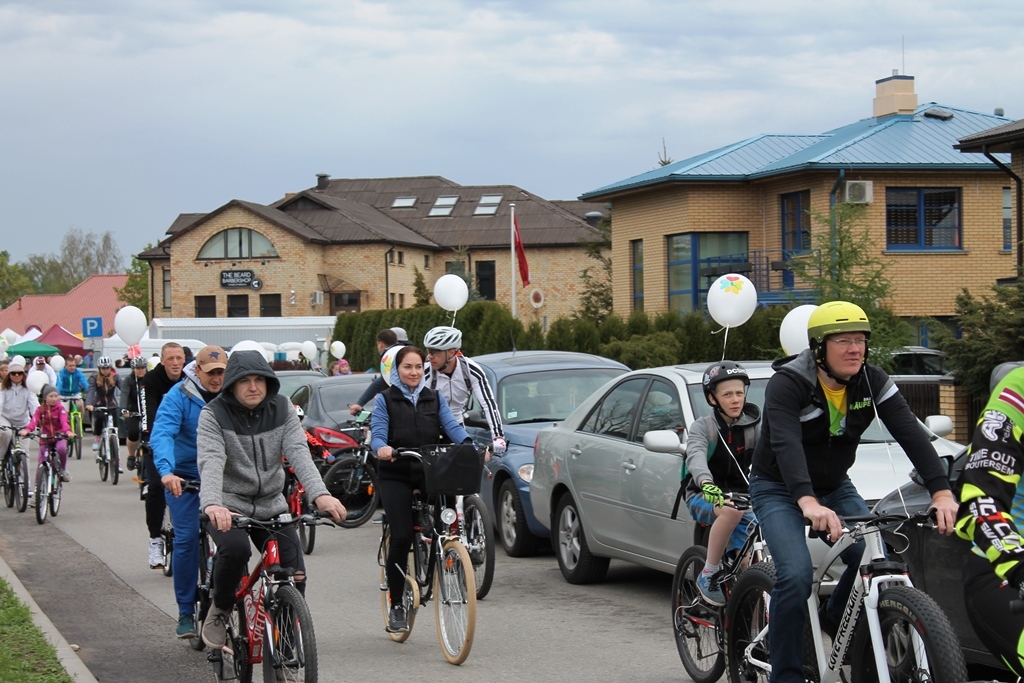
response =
{"points": [[836, 407]]}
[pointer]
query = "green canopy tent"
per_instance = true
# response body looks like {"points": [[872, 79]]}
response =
{"points": [[31, 349]]}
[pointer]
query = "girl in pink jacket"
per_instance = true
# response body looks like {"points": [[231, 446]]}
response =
{"points": [[52, 420]]}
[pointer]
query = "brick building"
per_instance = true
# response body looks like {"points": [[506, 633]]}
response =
{"points": [[356, 244], [943, 219]]}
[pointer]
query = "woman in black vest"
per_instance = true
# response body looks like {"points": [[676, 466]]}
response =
{"points": [[407, 415]]}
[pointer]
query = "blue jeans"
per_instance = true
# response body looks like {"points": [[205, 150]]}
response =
{"points": [[185, 556], [782, 524]]}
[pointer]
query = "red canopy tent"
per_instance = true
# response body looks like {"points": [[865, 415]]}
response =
{"points": [[68, 343]]}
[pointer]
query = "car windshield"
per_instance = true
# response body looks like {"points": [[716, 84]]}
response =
{"points": [[289, 383], [549, 395], [336, 396]]}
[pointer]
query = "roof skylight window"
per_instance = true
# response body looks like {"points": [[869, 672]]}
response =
{"points": [[443, 206], [403, 203], [488, 205]]}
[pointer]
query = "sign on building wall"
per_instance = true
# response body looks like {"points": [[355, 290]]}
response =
{"points": [[239, 278]]}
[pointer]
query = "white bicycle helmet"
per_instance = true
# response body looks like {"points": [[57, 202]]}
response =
{"points": [[443, 339], [104, 362]]}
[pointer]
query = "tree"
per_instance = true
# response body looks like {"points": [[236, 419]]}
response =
{"points": [[81, 256], [596, 298], [458, 267], [136, 289], [421, 293], [843, 264], [663, 158], [14, 281]]}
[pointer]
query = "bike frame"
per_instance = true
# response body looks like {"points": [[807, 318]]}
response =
{"points": [[863, 596]]}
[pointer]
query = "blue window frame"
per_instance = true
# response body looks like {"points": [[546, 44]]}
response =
{"points": [[690, 253], [637, 255], [923, 218], [796, 228], [1007, 220]]}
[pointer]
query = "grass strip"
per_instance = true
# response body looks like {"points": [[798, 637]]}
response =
{"points": [[26, 655]]}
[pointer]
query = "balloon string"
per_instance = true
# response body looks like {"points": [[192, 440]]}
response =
{"points": [[725, 341]]}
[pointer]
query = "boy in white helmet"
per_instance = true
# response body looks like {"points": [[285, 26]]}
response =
{"points": [[457, 378]]}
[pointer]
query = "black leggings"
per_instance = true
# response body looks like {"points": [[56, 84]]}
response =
{"points": [[234, 551], [397, 498], [99, 419], [156, 503], [988, 607]]}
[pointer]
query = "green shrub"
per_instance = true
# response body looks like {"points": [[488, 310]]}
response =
{"points": [[644, 351], [560, 336]]}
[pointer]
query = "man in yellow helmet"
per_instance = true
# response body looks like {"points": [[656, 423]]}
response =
{"points": [[816, 406]]}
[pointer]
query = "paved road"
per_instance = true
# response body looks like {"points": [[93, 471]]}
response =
{"points": [[87, 570]]}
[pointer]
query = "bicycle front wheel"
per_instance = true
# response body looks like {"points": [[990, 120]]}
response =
{"points": [[919, 642], [289, 648], [410, 598], [8, 474], [455, 602], [114, 453], [747, 624], [479, 543], [103, 460], [354, 483], [42, 492], [75, 443], [307, 532], [204, 595], [695, 623], [56, 488], [21, 483]]}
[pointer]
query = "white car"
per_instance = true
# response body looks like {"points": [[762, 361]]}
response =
{"points": [[603, 495]]}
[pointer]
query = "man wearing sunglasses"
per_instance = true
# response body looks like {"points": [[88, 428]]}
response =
{"points": [[174, 444]]}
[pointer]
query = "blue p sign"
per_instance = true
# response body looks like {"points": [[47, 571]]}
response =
{"points": [[92, 327]]}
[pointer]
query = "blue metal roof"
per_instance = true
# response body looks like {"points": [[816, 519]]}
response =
{"points": [[916, 141]]}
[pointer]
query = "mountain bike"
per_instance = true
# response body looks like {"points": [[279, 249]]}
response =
{"points": [[49, 486], [352, 478], [698, 626], [441, 568], [109, 456], [75, 421], [14, 473], [270, 623], [893, 631]]}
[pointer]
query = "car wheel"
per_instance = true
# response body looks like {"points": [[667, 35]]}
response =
{"points": [[515, 535], [575, 560]]}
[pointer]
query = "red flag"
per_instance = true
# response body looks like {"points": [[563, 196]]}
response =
{"points": [[524, 267]]}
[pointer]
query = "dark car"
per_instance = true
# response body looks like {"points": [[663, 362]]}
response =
{"points": [[937, 561], [291, 380], [534, 389], [325, 401]]}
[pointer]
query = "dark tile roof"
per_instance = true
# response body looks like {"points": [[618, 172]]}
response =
{"points": [[1005, 138], [338, 219]]}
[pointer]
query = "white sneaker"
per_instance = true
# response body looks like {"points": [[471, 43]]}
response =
{"points": [[156, 553]]}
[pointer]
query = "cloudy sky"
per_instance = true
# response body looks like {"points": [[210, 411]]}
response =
{"points": [[118, 114]]}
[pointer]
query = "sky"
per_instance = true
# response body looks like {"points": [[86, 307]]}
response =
{"points": [[118, 115]]}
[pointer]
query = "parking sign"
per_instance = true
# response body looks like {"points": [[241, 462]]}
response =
{"points": [[92, 327]]}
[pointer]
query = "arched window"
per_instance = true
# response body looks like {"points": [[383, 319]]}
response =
{"points": [[237, 243]]}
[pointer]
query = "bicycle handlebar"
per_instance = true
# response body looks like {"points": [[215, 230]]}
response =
{"points": [[276, 523]]}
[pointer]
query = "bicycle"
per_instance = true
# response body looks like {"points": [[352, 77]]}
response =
{"points": [[697, 625], [75, 421], [49, 486], [894, 632], [14, 473], [352, 478], [109, 456], [441, 567], [270, 623], [295, 495]]}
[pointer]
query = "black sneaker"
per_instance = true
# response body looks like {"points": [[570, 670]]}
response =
{"points": [[398, 622], [130, 464]]}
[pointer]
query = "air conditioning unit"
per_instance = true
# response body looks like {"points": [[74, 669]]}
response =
{"points": [[859, 192], [317, 298]]}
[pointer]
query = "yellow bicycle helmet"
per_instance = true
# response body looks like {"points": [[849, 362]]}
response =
{"points": [[835, 317]]}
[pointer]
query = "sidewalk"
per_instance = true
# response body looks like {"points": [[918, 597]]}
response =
{"points": [[68, 658]]}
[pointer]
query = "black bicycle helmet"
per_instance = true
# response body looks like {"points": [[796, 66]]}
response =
{"points": [[719, 372]]}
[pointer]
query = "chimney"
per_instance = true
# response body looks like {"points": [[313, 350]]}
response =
{"points": [[895, 95], [322, 180]]}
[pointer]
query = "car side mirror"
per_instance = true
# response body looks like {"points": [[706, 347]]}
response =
{"points": [[941, 425], [665, 441]]}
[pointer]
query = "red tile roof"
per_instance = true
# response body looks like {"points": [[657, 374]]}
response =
{"points": [[95, 297]]}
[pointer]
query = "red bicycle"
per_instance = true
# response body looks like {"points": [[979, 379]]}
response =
{"points": [[270, 623], [295, 494]]}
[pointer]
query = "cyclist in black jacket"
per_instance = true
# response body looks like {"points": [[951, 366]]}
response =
{"points": [[134, 403]]}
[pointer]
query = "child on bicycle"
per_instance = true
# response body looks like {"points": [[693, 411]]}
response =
{"points": [[718, 452], [52, 420]]}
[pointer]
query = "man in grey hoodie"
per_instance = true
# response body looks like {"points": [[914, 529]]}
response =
{"points": [[243, 434]]}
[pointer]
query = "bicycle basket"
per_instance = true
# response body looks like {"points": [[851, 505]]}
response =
{"points": [[453, 470]]}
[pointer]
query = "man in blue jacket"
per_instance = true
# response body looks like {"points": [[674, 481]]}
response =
{"points": [[173, 440]]}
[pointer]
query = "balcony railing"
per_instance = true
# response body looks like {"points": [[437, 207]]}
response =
{"points": [[768, 269]]}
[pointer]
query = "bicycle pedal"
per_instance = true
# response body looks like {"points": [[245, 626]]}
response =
{"points": [[383, 587]]}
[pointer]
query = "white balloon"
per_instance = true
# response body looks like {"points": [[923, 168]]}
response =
{"points": [[793, 332], [3, 344], [57, 363], [36, 381], [250, 345], [387, 361], [18, 359], [451, 292], [152, 362], [9, 335], [732, 299], [130, 324], [309, 351], [338, 349]]}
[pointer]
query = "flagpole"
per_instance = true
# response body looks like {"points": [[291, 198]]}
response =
{"points": [[512, 251]]}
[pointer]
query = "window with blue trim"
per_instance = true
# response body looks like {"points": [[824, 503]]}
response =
{"points": [[692, 253], [636, 248], [922, 218], [1007, 220]]}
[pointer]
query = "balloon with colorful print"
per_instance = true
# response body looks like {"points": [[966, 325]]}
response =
{"points": [[732, 299]]}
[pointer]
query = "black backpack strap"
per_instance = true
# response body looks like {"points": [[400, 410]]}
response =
{"points": [[679, 498]]}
